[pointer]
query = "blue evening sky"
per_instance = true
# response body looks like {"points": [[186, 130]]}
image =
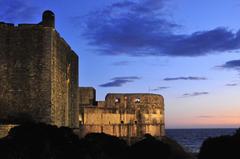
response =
{"points": [[185, 50]]}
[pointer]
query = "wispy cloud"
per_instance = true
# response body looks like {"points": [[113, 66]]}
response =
{"points": [[159, 88], [206, 116], [126, 78], [122, 63], [141, 29], [124, 4], [120, 81], [184, 78], [14, 10], [233, 64], [195, 94], [213, 116], [231, 84]]}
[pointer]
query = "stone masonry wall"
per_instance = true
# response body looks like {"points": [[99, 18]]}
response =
{"points": [[39, 75], [148, 110], [87, 96], [126, 125], [125, 115], [25, 85], [4, 129], [73, 95], [64, 83]]}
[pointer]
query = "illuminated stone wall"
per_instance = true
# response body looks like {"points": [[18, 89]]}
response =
{"points": [[125, 115], [4, 129], [39, 75]]}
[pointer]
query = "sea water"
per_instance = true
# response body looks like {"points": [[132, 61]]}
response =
{"points": [[192, 139]]}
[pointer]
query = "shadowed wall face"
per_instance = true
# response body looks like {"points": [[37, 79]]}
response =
{"points": [[25, 83], [39, 75], [64, 83], [87, 96]]}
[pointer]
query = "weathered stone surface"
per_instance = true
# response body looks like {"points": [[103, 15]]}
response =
{"points": [[39, 75], [87, 96], [64, 83], [4, 129], [124, 115], [39, 82]]}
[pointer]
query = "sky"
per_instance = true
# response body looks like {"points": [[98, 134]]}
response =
{"points": [[187, 51]]}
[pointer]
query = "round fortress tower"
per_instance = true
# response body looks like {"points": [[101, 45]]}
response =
{"points": [[48, 19]]}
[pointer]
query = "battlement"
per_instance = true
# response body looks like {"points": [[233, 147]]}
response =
{"points": [[48, 20]]}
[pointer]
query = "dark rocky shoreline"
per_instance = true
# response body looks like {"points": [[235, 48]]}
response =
{"points": [[41, 141]]}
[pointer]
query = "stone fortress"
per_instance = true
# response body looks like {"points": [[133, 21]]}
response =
{"points": [[39, 83], [123, 115]]}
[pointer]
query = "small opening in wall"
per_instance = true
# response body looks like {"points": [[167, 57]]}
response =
{"points": [[137, 100], [135, 122], [117, 100], [122, 122]]}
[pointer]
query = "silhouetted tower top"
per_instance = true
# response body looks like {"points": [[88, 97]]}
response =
{"points": [[48, 19]]}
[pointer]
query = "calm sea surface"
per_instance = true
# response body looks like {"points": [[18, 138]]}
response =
{"points": [[192, 139]]}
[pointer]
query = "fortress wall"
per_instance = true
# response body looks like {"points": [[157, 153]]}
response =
{"points": [[39, 76], [147, 108], [73, 95], [87, 96], [25, 87], [154, 130], [129, 100], [123, 130], [64, 83], [123, 122], [4, 129], [102, 116], [153, 118]]}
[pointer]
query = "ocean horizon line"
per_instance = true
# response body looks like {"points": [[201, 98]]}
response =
{"points": [[202, 128]]}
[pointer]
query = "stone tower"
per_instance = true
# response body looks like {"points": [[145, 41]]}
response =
{"points": [[39, 75]]}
